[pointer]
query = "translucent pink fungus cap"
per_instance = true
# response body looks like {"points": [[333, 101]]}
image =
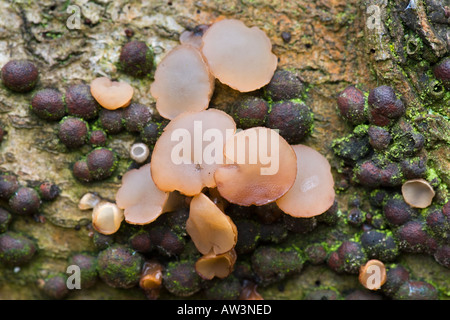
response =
{"points": [[238, 56], [182, 82], [313, 191]]}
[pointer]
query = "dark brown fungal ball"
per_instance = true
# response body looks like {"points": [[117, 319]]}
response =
{"points": [[353, 147], [442, 255], [73, 132], [150, 132], [299, 225], [413, 238], [413, 168], [249, 234], [355, 217], [293, 119], [368, 174], [272, 264], [141, 242], [363, 295], [181, 279], [81, 103], [97, 138], [243, 270], [384, 106], [284, 85], [250, 112], [48, 191], [352, 256], [2, 133], [102, 241], [379, 138], [391, 175], [286, 36], [81, 171], [136, 59], [55, 286], [135, 117], [15, 249], [376, 221], [406, 144], [349, 257], [438, 223], [378, 197], [379, 245], [25, 201], [88, 268], [273, 233], [316, 253], [416, 290], [334, 262], [176, 220], [445, 209], [20, 75], [111, 120], [49, 104], [442, 72], [5, 220], [119, 266], [226, 289], [129, 33], [395, 277], [378, 172], [240, 212], [269, 213], [8, 185], [398, 212], [101, 163], [352, 105], [166, 241], [331, 216]]}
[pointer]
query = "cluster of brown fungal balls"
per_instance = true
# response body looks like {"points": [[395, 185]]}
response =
{"points": [[302, 185]]}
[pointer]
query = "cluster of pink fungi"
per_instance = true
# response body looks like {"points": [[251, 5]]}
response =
{"points": [[241, 58]]}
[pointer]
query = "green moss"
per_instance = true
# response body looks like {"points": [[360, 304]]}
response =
{"points": [[431, 175], [272, 264], [226, 289], [180, 278], [354, 146], [120, 266]]}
